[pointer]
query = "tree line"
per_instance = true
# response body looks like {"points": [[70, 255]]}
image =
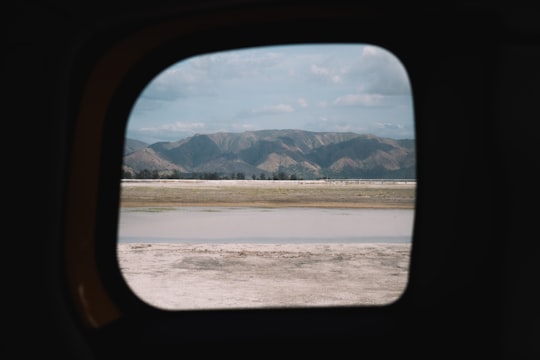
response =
{"points": [[175, 174]]}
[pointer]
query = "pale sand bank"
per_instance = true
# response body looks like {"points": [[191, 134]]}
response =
{"points": [[220, 276]]}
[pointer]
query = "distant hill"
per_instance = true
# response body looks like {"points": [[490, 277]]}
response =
{"points": [[132, 145], [304, 154]]}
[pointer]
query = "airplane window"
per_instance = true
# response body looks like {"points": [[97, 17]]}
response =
{"points": [[277, 176]]}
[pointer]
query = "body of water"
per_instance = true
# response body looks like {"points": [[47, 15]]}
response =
{"points": [[265, 225]]}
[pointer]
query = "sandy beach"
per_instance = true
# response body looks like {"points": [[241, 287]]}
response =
{"points": [[182, 276], [214, 276]]}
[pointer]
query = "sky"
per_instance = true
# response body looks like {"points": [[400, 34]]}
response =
{"points": [[322, 87]]}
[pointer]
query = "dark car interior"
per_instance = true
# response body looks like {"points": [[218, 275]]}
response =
{"points": [[73, 71]]}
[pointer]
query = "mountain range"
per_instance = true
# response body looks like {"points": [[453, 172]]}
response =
{"points": [[304, 154]]}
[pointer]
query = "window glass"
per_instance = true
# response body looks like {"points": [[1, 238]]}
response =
{"points": [[279, 176]]}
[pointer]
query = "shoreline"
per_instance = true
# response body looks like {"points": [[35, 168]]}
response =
{"points": [[270, 193], [187, 276], [329, 205]]}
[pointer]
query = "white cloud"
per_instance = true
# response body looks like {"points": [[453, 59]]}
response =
{"points": [[237, 64], [320, 71], [243, 127], [389, 126], [324, 123], [177, 126], [167, 131], [272, 109], [359, 100], [177, 82], [352, 88], [370, 50], [326, 73], [322, 104]]}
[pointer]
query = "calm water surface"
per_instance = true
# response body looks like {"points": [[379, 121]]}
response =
{"points": [[264, 225]]}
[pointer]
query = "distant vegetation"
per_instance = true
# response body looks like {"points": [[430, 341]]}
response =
{"points": [[175, 174]]}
